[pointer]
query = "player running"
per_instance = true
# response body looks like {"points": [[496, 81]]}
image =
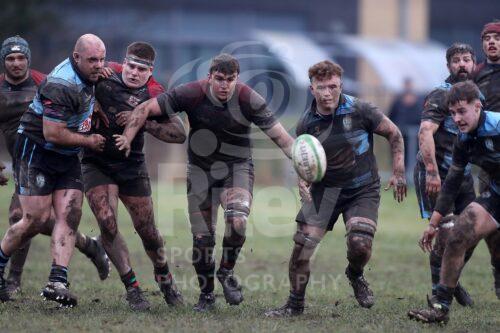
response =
{"points": [[351, 186], [110, 175], [46, 164], [479, 144], [220, 169], [487, 79], [436, 136], [18, 86]]}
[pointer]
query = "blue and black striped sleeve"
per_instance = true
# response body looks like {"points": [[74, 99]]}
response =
{"points": [[60, 102]]}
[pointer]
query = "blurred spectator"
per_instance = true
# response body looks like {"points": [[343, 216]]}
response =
{"points": [[405, 112]]}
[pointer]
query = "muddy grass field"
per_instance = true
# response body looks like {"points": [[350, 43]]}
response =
{"points": [[398, 273]]}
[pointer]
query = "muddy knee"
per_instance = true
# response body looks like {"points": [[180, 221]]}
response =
{"points": [[462, 236], [15, 210], [360, 233], [15, 215], [108, 226], [304, 248], [236, 216], [33, 224], [445, 229], [74, 216]]}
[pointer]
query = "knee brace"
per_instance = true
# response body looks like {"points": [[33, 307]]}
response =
{"points": [[237, 210], [360, 228], [305, 240]]}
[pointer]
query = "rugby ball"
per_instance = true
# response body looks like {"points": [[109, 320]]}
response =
{"points": [[309, 159]]}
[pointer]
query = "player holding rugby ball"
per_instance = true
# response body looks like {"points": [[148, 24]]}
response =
{"points": [[351, 185]]}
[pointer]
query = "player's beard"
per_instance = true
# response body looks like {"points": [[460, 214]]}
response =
{"points": [[462, 75], [16, 77]]}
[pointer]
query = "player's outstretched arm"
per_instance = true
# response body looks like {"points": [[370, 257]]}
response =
{"points": [[57, 133], [281, 138], [171, 130], [391, 132], [136, 121], [428, 151]]}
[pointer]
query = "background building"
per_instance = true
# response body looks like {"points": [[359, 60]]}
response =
{"points": [[380, 43]]}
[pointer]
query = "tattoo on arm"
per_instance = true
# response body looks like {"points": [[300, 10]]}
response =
{"points": [[138, 118], [427, 146], [391, 132], [171, 131]]}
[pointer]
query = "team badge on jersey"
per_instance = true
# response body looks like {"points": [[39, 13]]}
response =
{"points": [[133, 101], [317, 131], [347, 123], [489, 144], [40, 180]]}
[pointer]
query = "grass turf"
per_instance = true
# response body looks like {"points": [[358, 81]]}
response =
{"points": [[398, 273]]}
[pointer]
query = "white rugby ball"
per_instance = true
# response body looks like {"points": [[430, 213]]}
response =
{"points": [[309, 159]]}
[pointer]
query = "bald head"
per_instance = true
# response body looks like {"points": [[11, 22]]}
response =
{"points": [[89, 55], [88, 41]]}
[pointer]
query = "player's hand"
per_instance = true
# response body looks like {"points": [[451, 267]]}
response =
{"points": [[3, 178], [122, 143], [305, 190], [432, 183], [425, 241], [100, 117], [96, 142], [122, 118], [398, 184], [105, 72]]}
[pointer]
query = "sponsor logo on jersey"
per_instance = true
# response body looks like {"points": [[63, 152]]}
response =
{"points": [[85, 126]]}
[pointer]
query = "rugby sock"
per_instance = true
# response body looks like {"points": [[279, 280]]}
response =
{"points": [[353, 272], [4, 259], [435, 264], [58, 274], [444, 296], [129, 279], [205, 278], [162, 274], [230, 252], [296, 300]]}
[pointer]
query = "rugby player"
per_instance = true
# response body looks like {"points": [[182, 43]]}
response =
{"points": [[487, 79], [220, 169], [436, 136], [18, 86], [478, 143], [110, 175], [351, 186], [47, 167]]}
